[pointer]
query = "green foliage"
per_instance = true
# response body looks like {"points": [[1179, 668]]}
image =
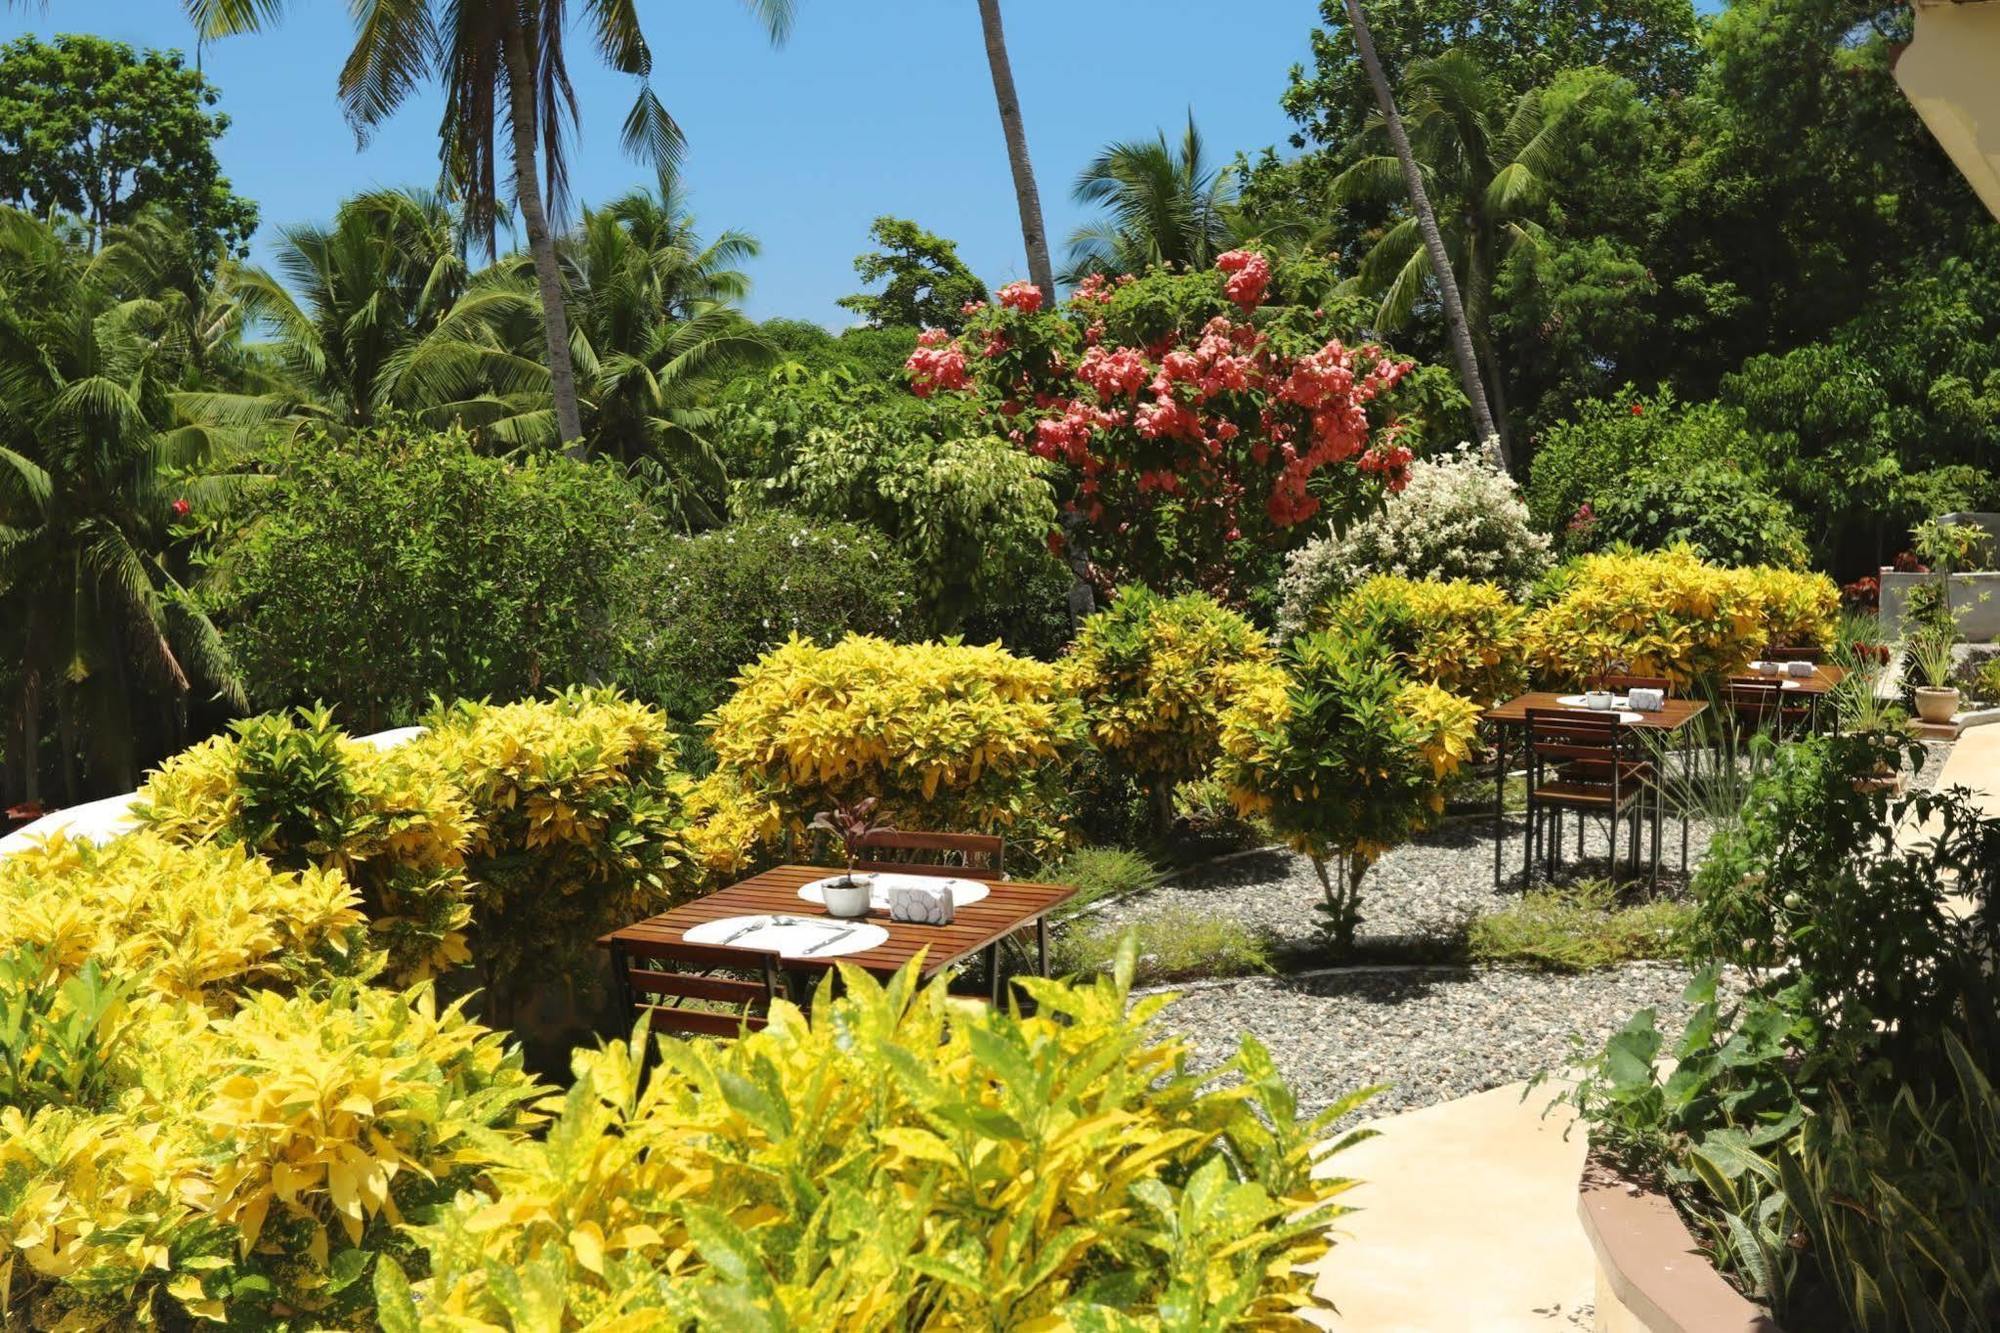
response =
{"points": [[403, 565], [1713, 507], [928, 284], [1585, 457], [846, 1170], [1576, 928], [1343, 756], [1174, 945], [1166, 204], [968, 511], [717, 602], [92, 128], [1155, 675], [62, 1038]]}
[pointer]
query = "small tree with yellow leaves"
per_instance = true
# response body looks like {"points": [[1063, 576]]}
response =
{"points": [[1343, 756]]}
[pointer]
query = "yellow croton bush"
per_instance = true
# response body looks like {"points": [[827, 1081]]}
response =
{"points": [[1673, 614], [947, 735], [1155, 675], [1459, 635]]}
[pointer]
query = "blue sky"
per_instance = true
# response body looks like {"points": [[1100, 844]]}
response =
{"points": [[874, 106]]}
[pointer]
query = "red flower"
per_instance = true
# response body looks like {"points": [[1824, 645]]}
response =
{"points": [[1638, 409], [181, 508], [1250, 274]]}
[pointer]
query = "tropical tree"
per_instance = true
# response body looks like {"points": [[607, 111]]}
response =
{"points": [[1167, 203], [378, 311], [928, 286], [501, 61], [1034, 232], [93, 478], [1491, 160]]}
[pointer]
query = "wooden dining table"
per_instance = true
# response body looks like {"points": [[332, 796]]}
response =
{"points": [[1673, 714], [1010, 907]]}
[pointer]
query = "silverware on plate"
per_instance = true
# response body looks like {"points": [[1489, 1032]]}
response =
{"points": [[828, 942]]}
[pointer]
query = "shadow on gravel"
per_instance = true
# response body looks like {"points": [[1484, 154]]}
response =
{"points": [[1371, 987]]}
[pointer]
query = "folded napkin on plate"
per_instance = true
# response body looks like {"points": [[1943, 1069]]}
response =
{"points": [[921, 903], [1646, 701], [1798, 668]]}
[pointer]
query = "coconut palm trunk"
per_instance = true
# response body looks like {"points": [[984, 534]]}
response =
{"points": [[1033, 233], [542, 246], [1454, 309]]}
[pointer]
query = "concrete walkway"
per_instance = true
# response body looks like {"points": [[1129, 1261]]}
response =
{"points": [[1466, 1220], [1975, 762]]}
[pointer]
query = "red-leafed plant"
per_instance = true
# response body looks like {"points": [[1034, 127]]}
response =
{"points": [[852, 823], [1190, 413]]}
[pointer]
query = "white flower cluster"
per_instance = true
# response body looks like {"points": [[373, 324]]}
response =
{"points": [[1458, 518]]}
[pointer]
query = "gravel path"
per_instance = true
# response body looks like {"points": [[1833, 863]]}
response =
{"points": [[1432, 1034]]}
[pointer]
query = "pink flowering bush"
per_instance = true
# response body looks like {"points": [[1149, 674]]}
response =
{"points": [[1196, 417]]}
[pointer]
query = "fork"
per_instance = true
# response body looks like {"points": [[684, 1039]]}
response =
{"points": [[750, 929]]}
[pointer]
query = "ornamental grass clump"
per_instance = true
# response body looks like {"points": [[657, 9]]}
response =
{"points": [[1461, 636], [948, 735], [1343, 756], [901, 1159], [1155, 675]]}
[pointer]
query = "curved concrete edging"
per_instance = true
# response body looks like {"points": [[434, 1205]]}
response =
{"points": [[1651, 1275]]}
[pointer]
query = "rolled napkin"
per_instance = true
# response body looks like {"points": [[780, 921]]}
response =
{"points": [[1646, 701], [1799, 668], [921, 904]]}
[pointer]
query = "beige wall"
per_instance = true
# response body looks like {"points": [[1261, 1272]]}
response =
{"points": [[1951, 73]]}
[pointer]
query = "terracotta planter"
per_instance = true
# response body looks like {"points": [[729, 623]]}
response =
{"points": [[1936, 706], [1651, 1275]]}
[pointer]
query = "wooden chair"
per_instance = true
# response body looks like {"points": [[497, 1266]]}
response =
{"points": [[1618, 684], [1762, 703], [1584, 760], [661, 978], [980, 854]]}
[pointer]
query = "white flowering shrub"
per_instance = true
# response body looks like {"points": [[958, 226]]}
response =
{"points": [[1458, 518]]}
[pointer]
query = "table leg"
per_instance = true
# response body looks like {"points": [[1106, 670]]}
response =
{"points": [[1042, 945], [993, 971], [1499, 799]]}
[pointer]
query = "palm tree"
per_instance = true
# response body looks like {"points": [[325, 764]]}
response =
{"points": [[1492, 158], [378, 311], [499, 60], [1034, 233], [1167, 205], [91, 469], [1413, 181], [655, 322]]}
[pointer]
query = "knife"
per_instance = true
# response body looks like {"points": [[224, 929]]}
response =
{"points": [[828, 942]]}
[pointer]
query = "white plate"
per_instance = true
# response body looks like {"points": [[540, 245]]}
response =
{"points": [[1578, 701], [792, 936], [963, 891]]}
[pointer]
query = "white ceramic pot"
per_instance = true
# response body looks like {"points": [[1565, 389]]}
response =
{"points": [[1599, 699], [1936, 705], [848, 897]]}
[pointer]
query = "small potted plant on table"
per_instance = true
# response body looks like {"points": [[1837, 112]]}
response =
{"points": [[848, 896]]}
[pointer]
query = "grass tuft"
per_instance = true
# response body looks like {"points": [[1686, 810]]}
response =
{"points": [[1577, 928]]}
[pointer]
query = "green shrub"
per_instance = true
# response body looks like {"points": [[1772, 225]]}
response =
{"points": [[1343, 756], [1577, 928], [900, 1153], [719, 601], [401, 565], [1728, 517], [1178, 944], [1581, 459]]}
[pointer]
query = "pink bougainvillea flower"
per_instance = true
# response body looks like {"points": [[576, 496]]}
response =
{"points": [[1249, 276], [1025, 297]]}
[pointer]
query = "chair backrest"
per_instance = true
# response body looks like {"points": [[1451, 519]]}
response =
{"points": [[1762, 698], [920, 853], [1774, 653], [1618, 684], [1575, 735], [662, 977]]}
